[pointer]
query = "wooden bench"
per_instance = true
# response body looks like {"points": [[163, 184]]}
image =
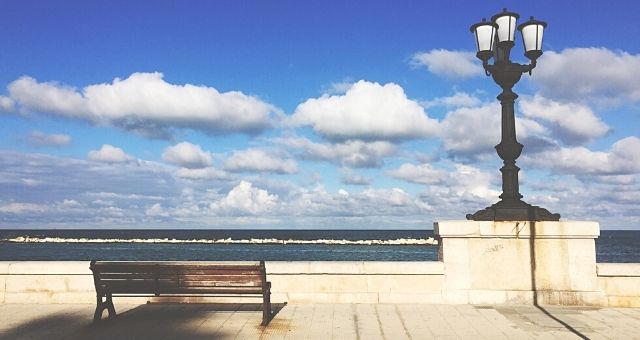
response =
{"points": [[141, 278]]}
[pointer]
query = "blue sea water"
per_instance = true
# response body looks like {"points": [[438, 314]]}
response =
{"points": [[246, 245]]}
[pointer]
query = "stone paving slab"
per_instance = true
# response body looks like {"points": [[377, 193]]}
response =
{"points": [[319, 321]]}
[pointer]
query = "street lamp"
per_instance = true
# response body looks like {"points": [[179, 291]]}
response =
{"points": [[494, 40]]}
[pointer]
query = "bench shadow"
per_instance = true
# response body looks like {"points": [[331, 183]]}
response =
{"points": [[152, 320]]}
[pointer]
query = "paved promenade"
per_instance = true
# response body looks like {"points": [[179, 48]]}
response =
{"points": [[319, 321]]}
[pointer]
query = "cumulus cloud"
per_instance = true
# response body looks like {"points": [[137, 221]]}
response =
{"points": [[344, 204], [580, 74], [245, 199], [202, 174], [464, 183], [187, 155], [22, 208], [367, 111], [347, 176], [623, 158], [147, 104], [259, 160], [420, 174], [449, 64], [352, 153], [41, 139], [156, 210], [458, 99], [6, 104], [572, 123], [109, 154], [472, 133]]}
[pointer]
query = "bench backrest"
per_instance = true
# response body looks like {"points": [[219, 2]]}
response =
{"points": [[157, 277]]}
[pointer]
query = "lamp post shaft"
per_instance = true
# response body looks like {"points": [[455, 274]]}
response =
{"points": [[509, 149]]}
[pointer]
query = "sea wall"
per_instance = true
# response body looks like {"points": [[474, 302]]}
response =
{"points": [[292, 282], [621, 283], [296, 282]]}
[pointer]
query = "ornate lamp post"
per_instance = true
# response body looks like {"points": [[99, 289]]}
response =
{"points": [[494, 40]]}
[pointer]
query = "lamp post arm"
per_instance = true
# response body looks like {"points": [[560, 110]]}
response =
{"points": [[488, 68], [528, 68]]}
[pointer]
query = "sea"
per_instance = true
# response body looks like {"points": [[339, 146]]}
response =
{"points": [[253, 245]]}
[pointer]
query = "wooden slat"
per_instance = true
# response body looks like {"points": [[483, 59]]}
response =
{"points": [[166, 276], [181, 265]]}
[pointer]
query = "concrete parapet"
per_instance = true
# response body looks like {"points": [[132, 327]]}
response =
{"points": [[621, 283], [297, 281], [519, 262], [454, 281]]}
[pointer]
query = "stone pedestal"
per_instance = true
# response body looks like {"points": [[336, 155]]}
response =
{"points": [[489, 262]]}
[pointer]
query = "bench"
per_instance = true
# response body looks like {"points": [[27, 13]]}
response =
{"points": [[142, 278]]}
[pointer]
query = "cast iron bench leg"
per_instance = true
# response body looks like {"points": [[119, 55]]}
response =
{"points": [[102, 305], [266, 305], [112, 310], [99, 308]]}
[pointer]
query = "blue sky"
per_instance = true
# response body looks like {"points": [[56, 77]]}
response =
{"points": [[287, 114]]}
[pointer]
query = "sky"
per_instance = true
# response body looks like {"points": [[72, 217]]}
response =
{"points": [[300, 115]]}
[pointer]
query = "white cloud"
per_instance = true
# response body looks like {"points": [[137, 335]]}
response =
{"points": [[156, 210], [343, 204], [572, 123], [458, 99], [449, 64], [22, 208], [367, 111], [623, 158], [39, 138], [147, 104], [347, 176], [100, 195], [202, 174], [465, 183], [420, 174], [187, 155], [6, 104], [246, 199], [260, 160], [352, 153], [473, 132], [585, 74], [109, 154]]}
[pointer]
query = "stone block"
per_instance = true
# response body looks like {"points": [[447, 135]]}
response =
{"points": [[333, 297], [3, 280], [455, 297], [620, 286], [50, 297], [318, 283], [404, 283], [49, 267], [571, 298], [624, 301], [49, 283], [618, 269], [408, 267], [485, 297], [4, 267], [426, 298], [520, 297], [286, 267]]}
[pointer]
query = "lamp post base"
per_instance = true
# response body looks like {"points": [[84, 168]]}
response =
{"points": [[513, 211]]}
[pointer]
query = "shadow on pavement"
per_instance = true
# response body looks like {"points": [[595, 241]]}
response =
{"points": [[154, 320]]}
